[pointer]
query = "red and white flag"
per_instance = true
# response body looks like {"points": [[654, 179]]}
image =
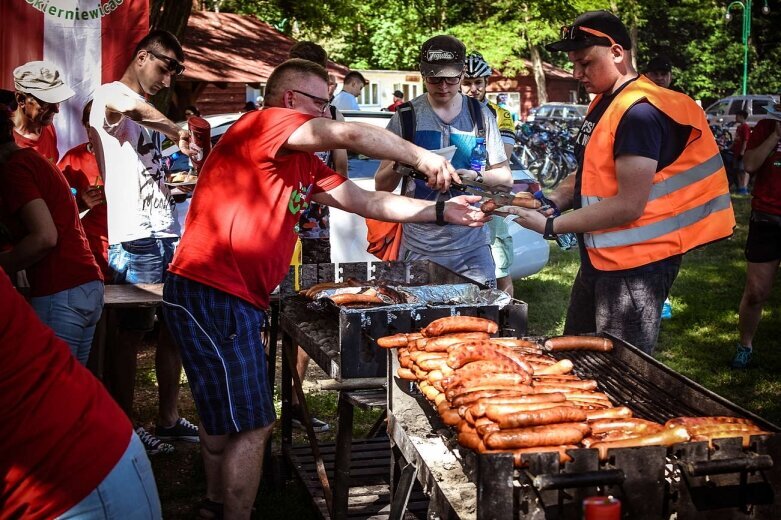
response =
{"points": [[90, 41]]}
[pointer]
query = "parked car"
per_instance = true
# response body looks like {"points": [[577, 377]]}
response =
{"points": [[348, 231], [723, 111], [569, 113]]}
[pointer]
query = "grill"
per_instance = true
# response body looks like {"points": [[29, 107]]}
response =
{"points": [[341, 339], [685, 481]]}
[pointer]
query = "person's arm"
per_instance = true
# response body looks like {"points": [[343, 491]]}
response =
{"points": [[385, 206], [564, 194], [325, 134], [120, 103], [755, 157], [635, 178], [340, 155], [41, 237]]}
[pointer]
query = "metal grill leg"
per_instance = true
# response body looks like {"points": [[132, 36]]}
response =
{"points": [[344, 440], [402, 491]]}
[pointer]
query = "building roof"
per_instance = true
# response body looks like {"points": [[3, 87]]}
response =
{"points": [[233, 48]]}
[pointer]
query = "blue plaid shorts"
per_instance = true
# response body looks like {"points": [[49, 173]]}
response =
{"points": [[222, 352]]}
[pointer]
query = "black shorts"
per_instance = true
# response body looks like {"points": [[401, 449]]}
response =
{"points": [[764, 241]]}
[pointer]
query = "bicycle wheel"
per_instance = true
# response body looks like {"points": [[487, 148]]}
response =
{"points": [[546, 171]]}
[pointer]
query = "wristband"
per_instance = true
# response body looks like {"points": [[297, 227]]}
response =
{"points": [[439, 208], [549, 234], [479, 177]]}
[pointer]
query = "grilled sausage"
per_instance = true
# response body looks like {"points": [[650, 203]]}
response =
{"points": [[518, 343], [488, 206], [398, 340], [453, 324], [429, 391], [472, 441], [479, 408], [471, 397], [406, 373], [496, 412], [564, 366], [448, 415], [452, 392], [706, 421], [487, 366], [502, 378], [592, 343], [441, 343], [558, 414], [609, 413], [549, 435], [432, 364], [666, 437], [601, 426], [521, 201], [463, 353]]}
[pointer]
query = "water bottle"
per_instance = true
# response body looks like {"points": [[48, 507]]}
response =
{"points": [[478, 159], [565, 241], [667, 309]]}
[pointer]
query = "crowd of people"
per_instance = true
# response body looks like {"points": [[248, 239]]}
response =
{"points": [[650, 187]]}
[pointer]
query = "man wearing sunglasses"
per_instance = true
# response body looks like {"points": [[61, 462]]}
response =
{"points": [[142, 220], [444, 117], [650, 186], [39, 91]]}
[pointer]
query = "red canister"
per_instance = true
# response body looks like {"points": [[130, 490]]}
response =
{"points": [[601, 508]]}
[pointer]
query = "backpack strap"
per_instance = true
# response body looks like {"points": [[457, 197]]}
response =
{"points": [[407, 119], [475, 110], [332, 108]]}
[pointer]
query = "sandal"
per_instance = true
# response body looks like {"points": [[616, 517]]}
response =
{"points": [[209, 510]]}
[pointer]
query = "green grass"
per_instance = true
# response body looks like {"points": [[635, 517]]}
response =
{"points": [[700, 338]]}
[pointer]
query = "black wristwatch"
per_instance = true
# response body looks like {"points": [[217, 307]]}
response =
{"points": [[549, 234], [440, 210]]}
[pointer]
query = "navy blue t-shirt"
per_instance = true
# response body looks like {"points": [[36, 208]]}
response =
{"points": [[643, 131]]}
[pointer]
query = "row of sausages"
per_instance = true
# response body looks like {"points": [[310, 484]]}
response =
{"points": [[507, 394]]}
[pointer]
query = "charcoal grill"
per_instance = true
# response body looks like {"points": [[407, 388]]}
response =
{"points": [[683, 482], [341, 341]]}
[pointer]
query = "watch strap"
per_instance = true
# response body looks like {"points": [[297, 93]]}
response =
{"points": [[440, 211], [549, 234]]}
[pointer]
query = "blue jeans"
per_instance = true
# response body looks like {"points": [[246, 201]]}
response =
{"points": [[141, 261], [73, 314], [128, 491]]}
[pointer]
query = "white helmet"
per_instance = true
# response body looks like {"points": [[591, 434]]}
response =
{"points": [[476, 67]]}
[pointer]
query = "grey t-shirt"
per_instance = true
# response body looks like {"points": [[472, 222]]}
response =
{"points": [[432, 133]]}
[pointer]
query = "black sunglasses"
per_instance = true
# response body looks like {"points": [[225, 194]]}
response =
{"points": [[171, 64], [454, 80], [322, 103]]}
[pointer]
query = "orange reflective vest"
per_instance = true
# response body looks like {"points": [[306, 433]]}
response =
{"points": [[689, 204]]}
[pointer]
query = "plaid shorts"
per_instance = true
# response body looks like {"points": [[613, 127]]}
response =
{"points": [[222, 352]]}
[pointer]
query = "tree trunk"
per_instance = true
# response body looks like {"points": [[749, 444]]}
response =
{"points": [[539, 75], [172, 16]]}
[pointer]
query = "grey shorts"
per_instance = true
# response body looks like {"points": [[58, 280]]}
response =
{"points": [[628, 307]]}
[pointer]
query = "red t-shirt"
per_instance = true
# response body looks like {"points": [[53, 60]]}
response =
{"points": [[28, 176], [766, 195], [742, 133], [240, 230], [61, 433], [45, 145], [81, 171], [393, 106]]}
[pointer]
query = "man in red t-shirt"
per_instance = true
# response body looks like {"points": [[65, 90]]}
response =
{"points": [[65, 446], [742, 132], [398, 100], [238, 240], [39, 92], [763, 245]]}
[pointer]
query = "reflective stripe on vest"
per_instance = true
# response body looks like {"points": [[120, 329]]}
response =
{"points": [[640, 234]]}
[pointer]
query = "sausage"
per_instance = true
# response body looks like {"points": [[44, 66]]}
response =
{"points": [[471, 397], [472, 441], [429, 391], [547, 378], [520, 201], [589, 405], [519, 453], [479, 408], [404, 359], [582, 384], [549, 435], [398, 340], [440, 399], [355, 299], [496, 412], [406, 373], [600, 426], [484, 426], [463, 353], [706, 421], [666, 437], [539, 359], [420, 355], [555, 415], [486, 366], [432, 364], [609, 413], [449, 415], [441, 343], [592, 343], [502, 378], [517, 343], [564, 366], [488, 206], [452, 392], [452, 324]]}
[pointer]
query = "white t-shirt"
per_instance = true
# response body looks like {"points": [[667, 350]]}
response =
{"points": [[140, 205]]}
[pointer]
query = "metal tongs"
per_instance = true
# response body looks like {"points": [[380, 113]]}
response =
{"points": [[499, 194]]}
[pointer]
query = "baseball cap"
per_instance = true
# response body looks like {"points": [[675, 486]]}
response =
{"points": [[398, 94], [442, 56], [43, 80], [592, 28], [659, 63]]}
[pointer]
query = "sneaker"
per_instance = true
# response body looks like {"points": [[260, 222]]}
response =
{"points": [[742, 357], [152, 444], [317, 425], [183, 430]]}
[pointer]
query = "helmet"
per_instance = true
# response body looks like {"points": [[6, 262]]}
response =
{"points": [[476, 67]]}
